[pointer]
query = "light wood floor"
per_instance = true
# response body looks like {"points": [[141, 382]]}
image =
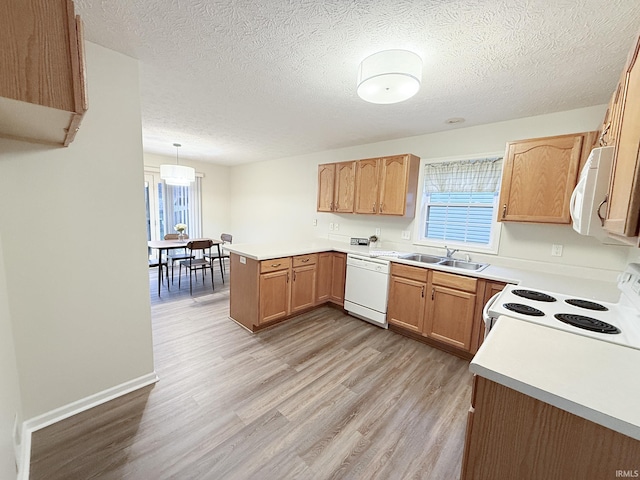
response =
{"points": [[322, 396]]}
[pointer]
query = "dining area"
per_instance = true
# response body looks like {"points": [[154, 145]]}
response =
{"points": [[178, 259]]}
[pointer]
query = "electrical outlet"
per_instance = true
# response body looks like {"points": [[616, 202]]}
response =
{"points": [[315, 222], [377, 231], [331, 226], [406, 235], [556, 250], [336, 226]]}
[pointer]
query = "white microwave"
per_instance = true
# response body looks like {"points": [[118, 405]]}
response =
{"points": [[589, 196]]}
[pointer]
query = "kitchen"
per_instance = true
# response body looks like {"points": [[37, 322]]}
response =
{"points": [[263, 200]]}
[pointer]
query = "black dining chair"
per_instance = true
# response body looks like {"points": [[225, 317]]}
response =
{"points": [[196, 249], [226, 238]]}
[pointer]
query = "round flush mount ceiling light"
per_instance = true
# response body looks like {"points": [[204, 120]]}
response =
{"points": [[390, 76]]}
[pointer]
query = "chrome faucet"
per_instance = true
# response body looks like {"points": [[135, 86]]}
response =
{"points": [[450, 252]]}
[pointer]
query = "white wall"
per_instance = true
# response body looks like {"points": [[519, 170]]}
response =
{"points": [[215, 192], [72, 224], [10, 404], [277, 199]]}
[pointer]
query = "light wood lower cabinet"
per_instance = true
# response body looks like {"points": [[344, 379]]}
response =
{"points": [[274, 295], [442, 307], [408, 297], [330, 277], [268, 291], [303, 283], [512, 435]]}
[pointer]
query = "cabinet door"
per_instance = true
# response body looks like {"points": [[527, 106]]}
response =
{"points": [[345, 187], [324, 277], [407, 300], [303, 288], [366, 200], [338, 274], [326, 181], [393, 185], [274, 295], [450, 316], [624, 189], [538, 179]]}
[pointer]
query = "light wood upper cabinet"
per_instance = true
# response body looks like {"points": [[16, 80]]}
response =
{"points": [[539, 177], [326, 185], [387, 186], [42, 71], [336, 182], [367, 186], [623, 204]]}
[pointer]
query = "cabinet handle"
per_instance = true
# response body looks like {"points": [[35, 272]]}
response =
{"points": [[606, 199], [274, 265], [337, 206], [304, 260], [287, 277], [331, 206], [504, 210], [374, 207], [433, 294], [381, 205], [423, 291], [294, 276]]}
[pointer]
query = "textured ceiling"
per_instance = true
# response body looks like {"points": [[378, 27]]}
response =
{"points": [[239, 81]]}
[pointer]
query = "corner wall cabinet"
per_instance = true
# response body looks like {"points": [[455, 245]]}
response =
{"points": [[539, 176], [512, 435], [268, 291], [623, 131], [42, 71], [438, 308], [373, 186]]}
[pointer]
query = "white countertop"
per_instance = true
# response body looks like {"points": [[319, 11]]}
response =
{"points": [[596, 380], [606, 291]]}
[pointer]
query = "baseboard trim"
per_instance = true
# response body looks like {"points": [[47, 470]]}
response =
{"points": [[36, 423]]}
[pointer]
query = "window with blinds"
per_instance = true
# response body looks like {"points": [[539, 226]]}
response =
{"points": [[459, 200]]}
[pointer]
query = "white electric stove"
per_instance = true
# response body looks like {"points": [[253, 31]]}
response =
{"points": [[610, 322]]}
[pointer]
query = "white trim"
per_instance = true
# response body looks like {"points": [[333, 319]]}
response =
{"points": [[36, 423]]}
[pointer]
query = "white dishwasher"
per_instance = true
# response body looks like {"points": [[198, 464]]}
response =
{"points": [[367, 284]]}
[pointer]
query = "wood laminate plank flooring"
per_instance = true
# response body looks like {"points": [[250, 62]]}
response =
{"points": [[321, 396]]}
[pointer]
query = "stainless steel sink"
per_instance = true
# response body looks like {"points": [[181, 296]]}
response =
{"points": [[445, 262], [424, 258], [463, 265]]}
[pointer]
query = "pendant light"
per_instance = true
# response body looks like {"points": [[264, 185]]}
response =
{"points": [[390, 76], [177, 174]]}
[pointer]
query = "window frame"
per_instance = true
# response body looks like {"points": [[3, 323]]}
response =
{"points": [[421, 217]]}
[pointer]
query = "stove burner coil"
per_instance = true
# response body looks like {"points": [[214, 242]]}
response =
{"points": [[586, 304], [533, 295], [523, 309], [587, 323]]}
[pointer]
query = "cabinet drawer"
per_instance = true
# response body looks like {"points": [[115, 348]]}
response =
{"points": [[301, 260], [407, 271], [458, 282], [275, 264]]}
